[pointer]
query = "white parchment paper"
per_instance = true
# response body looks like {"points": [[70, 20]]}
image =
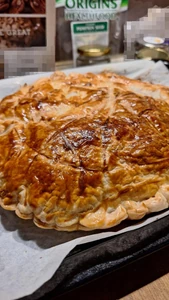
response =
{"points": [[29, 256]]}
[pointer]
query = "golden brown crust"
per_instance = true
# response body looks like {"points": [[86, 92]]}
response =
{"points": [[84, 152]]}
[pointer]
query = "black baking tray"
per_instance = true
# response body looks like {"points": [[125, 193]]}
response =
{"points": [[93, 260]]}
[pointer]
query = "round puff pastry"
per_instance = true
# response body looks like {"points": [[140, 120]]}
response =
{"points": [[84, 152]]}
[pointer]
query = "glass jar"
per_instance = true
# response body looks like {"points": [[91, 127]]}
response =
{"points": [[151, 48], [93, 55]]}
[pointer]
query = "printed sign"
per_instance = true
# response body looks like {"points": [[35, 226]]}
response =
{"points": [[26, 25]]}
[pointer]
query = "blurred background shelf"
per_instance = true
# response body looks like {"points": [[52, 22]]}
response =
{"points": [[68, 64]]}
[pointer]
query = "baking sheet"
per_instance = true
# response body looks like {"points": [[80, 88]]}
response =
{"points": [[29, 256], [90, 261]]}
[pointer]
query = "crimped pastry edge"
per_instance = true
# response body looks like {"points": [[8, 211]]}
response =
{"points": [[129, 209]]}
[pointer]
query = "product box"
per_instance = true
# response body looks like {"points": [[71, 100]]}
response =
{"points": [[27, 36], [113, 12]]}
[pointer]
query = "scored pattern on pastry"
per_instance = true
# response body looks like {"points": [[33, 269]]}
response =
{"points": [[84, 152]]}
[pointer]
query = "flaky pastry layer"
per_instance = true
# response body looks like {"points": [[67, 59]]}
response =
{"points": [[85, 152]]}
